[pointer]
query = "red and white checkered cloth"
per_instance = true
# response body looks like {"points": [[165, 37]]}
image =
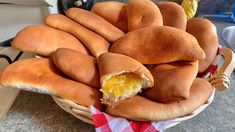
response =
{"points": [[107, 123]]}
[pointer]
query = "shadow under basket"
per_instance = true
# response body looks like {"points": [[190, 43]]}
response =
{"points": [[220, 80]]}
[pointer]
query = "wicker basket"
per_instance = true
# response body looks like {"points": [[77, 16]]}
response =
{"points": [[220, 81]]}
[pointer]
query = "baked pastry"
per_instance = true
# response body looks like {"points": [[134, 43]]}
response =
{"points": [[205, 33], [112, 11], [43, 40], [94, 42], [142, 13], [141, 109], [162, 44], [80, 67], [121, 77], [40, 75], [95, 23], [173, 15], [172, 81]]}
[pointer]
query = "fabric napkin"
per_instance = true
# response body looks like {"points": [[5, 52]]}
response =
{"points": [[107, 123]]}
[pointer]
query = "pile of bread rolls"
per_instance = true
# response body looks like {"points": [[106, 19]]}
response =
{"points": [[138, 60]]}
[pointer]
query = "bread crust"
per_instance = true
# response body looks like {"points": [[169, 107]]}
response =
{"points": [[44, 40], [95, 23], [172, 81], [80, 67], [113, 64], [162, 44], [143, 13], [205, 33], [173, 15], [114, 12], [40, 75], [94, 42]]}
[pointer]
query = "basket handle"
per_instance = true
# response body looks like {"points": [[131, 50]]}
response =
{"points": [[221, 79]]}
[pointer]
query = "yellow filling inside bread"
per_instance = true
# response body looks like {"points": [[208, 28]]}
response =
{"points": [[121, 85]]}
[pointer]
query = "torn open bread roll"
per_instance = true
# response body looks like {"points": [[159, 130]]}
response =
{"points": [[112, 11], [43, 40], [162, 44], [141, 109], [143, 13], [94, 42], [205, 33], [173, 15], [81, 67], [172, 81], [95, 23], [121, 77], [40, 75]]}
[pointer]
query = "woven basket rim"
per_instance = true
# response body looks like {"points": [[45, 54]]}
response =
{"points": [[82, 112]]}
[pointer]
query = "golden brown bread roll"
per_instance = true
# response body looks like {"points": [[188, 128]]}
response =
{"points": [[141, 109], [173, 15], [172, 81], [82, 68], [205, 33], [95, 23], [40, 75], [114, 12], [94, 42], [44, 40], [162, 44], [121, 77], [143, 13]]}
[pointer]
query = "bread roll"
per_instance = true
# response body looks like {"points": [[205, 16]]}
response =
{"points": [[82, 68], [44, 40], [205, 33], [121, 77], [95, 23], [173, 15], [114, 12], [143, 13], [141, 109], [94, 42], [40, 75], [172, 81], [162, 44]]}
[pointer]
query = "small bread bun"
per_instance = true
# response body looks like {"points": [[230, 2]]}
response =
{"points": [[141, 109], [205, 33], [44, 40], [162, 44], [121, 77], [143, 13], [94, 42], [40, 75], [114, 12], [80, 67], [172, 81], [173, 15], [95, 23]]}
